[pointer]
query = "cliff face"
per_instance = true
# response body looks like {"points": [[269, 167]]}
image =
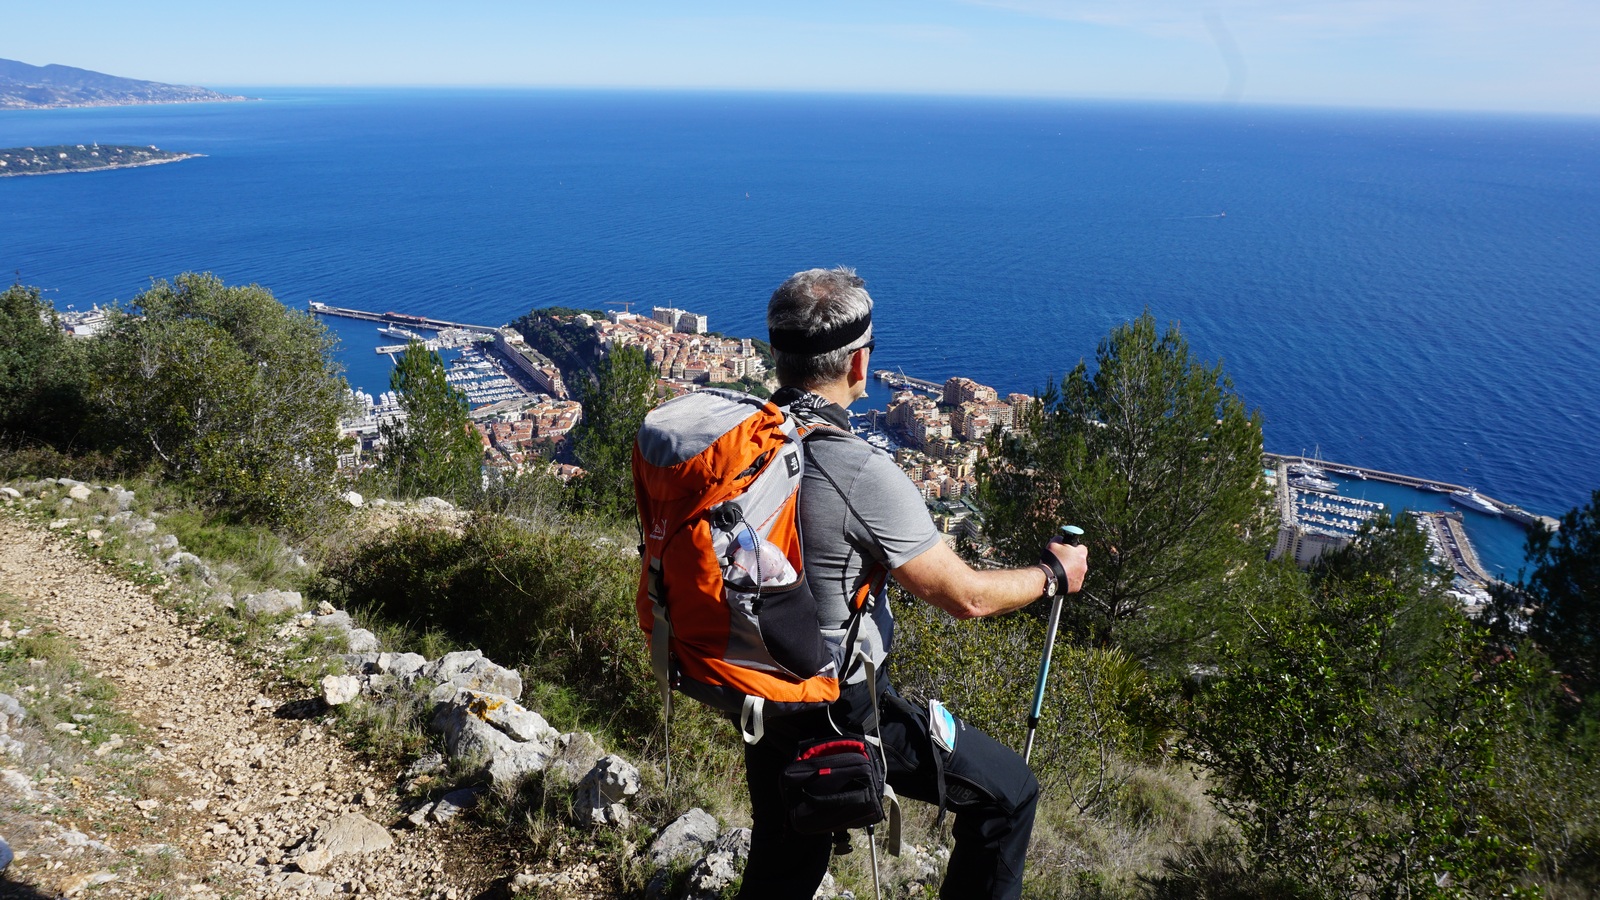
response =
{"points": [[24, 86]]}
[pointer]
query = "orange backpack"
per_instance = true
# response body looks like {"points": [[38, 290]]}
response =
{"points": [[712, 468]]}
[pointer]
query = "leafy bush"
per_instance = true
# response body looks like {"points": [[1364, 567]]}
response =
{"points": [[435, 449], [1354, 764], [1156, 456], [1100, 710], [558, 603], [42, 379], [228, 388]]}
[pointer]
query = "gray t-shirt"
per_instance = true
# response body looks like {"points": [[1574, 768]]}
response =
{"points": [[890, 525]]}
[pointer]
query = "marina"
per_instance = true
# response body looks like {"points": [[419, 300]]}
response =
{"points": [[1448, 536], [470, 365], [1462, 495], [1476, 537], [478, 375]]}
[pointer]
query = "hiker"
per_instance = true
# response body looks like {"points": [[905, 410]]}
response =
{"points": [[859, 515]]}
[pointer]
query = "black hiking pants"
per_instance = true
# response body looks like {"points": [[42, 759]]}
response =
{"points": [[988, 788]]}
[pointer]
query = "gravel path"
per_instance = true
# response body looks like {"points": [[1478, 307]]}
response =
{"points": [[227, 787]]}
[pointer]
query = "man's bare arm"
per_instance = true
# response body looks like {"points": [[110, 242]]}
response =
{"points": [[942, 578]]}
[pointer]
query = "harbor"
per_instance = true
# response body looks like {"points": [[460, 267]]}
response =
{"points": [[1459, 494], [1323, 504], [473, 363]]}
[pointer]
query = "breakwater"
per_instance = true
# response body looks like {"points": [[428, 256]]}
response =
{"points": [[395, 318]]}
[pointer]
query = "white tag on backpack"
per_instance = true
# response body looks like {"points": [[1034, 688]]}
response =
{"points": [[943, 726]]}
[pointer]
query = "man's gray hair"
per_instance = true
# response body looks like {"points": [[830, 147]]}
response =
{"points": [[811, 302]]}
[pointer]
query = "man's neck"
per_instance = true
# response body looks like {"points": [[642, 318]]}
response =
{"points": [[817, 401], [838, 392]]}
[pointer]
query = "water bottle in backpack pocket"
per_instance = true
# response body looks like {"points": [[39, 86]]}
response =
{"points": [[771, 604]]}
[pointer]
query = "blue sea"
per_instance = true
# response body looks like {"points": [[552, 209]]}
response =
{"points": [[1407, 291]]}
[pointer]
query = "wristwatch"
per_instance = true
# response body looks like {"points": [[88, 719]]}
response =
{"points": [[1052, 584]]}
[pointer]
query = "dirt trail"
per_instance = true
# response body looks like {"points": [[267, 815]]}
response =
{"points": [[231, 787]]}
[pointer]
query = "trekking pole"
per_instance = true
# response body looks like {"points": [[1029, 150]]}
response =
{"points": [[1069, 535], [872, 845]]}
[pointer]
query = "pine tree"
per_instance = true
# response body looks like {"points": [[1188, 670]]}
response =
{"points": [[614, 405], [1561, 596], [435, 451], [1157, 459]]}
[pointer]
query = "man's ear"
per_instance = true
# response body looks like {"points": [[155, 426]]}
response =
{"points": [[858, 366]]}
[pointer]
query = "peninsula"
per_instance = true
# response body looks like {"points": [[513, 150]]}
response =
{"points": [[24, 86], [82, 158]]}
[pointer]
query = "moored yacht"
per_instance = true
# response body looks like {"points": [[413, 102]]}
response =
{"points": [[1472, 500]]}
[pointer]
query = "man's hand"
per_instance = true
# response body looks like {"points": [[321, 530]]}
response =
{"points": [[1074, 561]]}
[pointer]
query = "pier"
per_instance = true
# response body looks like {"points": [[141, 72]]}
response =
{"points": [[902, 380], [395, 318], [1451, 536]]}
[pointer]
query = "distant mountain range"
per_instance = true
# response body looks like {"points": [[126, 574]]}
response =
{"points": [[39, 87]]}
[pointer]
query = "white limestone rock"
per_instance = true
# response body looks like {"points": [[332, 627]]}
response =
{"points": [[337, 619], [350, 834], [708, 877], [521, 724], [407, 667], [687, 837], [12, 713], [450, 665], [454, 804], [270, 603], [468, 737], [80, 493], [508, 767], [603, 793], [576, 754], [424, 765], [337, 690], [354, 499]]}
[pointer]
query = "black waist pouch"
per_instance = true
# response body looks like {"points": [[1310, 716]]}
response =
{"points": [[833, 784]]}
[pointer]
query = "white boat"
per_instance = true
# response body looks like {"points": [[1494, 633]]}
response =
{"points": [[1472, 500], [398, 333], [1307, 470], [1311, 483]]}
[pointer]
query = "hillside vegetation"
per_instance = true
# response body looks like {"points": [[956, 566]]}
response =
{"points": [[1217, 725]]}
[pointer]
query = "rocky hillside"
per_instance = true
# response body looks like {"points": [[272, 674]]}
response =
{"points": [[141, 755], [24, 86]]}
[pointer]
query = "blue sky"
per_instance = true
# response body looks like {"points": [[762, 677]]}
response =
{"points": [[1524, 55]]}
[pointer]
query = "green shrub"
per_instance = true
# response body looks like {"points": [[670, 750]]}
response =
{"points": [[557, 603], [1100, 708]]}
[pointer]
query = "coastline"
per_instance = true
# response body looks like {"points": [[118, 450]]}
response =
{"points": [[105, 168], [110, 103]]}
